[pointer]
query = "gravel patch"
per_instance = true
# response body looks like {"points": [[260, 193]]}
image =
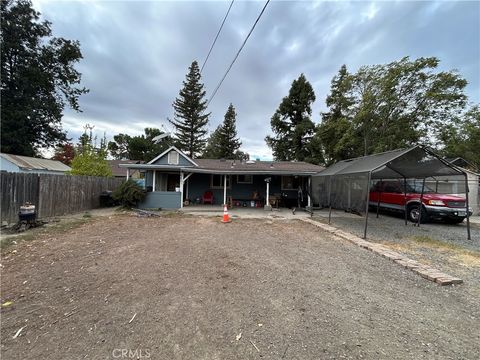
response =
{"points": [[194, 288], [388, 227], [441, 246]]}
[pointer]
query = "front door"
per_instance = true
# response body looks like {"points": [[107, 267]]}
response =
{"points": [[173, 182]]}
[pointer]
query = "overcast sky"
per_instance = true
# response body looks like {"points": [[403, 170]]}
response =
{"points": [[136, 53]]}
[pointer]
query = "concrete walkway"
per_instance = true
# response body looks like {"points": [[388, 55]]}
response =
{"points": [[245, 212]]}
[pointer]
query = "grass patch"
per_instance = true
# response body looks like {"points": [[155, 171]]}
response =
{"points": [[431, 242], [49, 229], [454, 252], [87, 215]]}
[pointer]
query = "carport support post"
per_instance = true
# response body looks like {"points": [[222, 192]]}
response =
{"points": [[330, 201], [421, 203], [128, 173], [367, 205], [405, 199], [379, 195], [467, 204]]}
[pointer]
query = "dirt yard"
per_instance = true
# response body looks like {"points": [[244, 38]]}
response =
{"points": [[194, 288]]}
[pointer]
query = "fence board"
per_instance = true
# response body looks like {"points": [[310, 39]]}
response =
{"points": [[53, 195]]}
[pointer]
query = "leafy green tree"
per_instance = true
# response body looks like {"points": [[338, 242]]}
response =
{"points": [[38, 80], [461, 138], [385, 107], [141, 147], [89, 159], [224, 143], [190, 119], [291, 123]]}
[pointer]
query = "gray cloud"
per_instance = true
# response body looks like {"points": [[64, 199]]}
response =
{"points": [[136, 54]]}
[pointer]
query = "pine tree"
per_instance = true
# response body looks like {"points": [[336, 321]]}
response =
{"points": [[38, 80], [190, 121], [224, 143], [291, 123]]}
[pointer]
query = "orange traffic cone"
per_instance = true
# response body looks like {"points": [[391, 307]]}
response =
{"points": [[226, 218]]}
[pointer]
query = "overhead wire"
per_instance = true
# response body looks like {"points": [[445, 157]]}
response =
{"points": [[216, 37], [238, 53]]}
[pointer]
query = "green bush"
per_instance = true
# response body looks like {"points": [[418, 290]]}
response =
{"points": [[129, 193]]}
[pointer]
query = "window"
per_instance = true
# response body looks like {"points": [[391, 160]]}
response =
{"points": [[173, 158], [216, 181], [244, 179], [291, 182]]}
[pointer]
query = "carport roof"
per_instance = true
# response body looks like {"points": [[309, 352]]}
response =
{"points": [[415, 162]]}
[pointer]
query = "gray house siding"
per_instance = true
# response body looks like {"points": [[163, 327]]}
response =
{"points": [[161, 199]]}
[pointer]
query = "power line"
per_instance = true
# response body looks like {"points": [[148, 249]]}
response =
{"points": [[238, 53], [216, 37]]}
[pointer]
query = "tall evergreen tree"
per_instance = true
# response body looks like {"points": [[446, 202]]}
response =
{"points": [[190, 121], [38, 80], [291, 123], [224, 143], [335, 132]]}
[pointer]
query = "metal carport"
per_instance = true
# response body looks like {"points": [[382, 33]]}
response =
{"points": [[346, 184]]}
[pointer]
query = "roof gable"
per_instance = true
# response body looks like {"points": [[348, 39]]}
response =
{"points": [[158, 159]]}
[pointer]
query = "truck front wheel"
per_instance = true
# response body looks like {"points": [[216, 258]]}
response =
{"points": [[413, 212]]}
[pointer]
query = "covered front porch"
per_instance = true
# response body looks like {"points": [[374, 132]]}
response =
{"points": [[168, 189]]}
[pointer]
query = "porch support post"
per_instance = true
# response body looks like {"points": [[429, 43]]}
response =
{"points": [[309, 203], [224, 189], [181, 189], [154, 180], [128, 173]]}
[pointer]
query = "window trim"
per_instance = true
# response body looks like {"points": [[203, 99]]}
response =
{"points": [[245, 182], [169, 160], [229, 181]]}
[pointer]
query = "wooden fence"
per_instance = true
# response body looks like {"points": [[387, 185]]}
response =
{"points": [[53, 195]]}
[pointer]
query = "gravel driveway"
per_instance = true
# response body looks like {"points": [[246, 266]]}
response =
{"points": [[392, 227], [194, 288]]}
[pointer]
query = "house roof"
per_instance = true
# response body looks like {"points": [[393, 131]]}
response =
{"points": [[414, 162], [231, 167], [257, 166], [121, 171], [31, 163]]}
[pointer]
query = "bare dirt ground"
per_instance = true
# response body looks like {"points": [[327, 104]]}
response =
{"points": [[194, 288]]}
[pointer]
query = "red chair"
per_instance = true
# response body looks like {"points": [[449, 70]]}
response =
{"points": [[207, 198]]}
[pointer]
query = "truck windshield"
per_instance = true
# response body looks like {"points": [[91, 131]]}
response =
{"points": [[415, 187]]}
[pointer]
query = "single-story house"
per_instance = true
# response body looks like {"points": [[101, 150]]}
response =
{"points": [[174, 180], [27, 164]]}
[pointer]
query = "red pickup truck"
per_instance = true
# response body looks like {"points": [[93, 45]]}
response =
{"points": [[448, 208]]}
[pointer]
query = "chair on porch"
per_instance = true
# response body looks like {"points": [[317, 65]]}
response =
{"points": [[207, 198]]}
